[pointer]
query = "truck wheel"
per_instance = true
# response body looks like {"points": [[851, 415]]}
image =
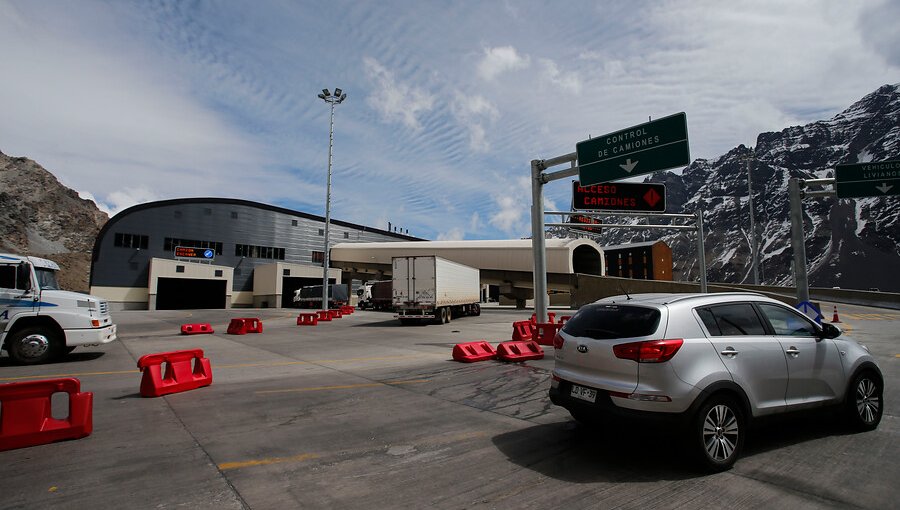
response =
{"points": [[31, 346], [476, 309], [449, 315]]}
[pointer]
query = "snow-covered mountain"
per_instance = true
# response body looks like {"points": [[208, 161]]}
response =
{"points": [[850, 243]]}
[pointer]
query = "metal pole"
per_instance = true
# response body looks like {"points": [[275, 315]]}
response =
{"points": [[538, 243], [798, 240], [754, 245], [327, 212], [702, 249]]}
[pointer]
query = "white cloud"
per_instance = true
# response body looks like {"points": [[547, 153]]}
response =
{"points": [[454, 234], [473, 112], [395, 101], [122, 199], [568, 82], [500, 60]]}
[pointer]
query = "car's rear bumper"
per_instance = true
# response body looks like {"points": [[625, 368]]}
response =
{"points": [[604, 408]]}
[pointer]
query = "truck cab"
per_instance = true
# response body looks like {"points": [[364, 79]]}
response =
{"points": [[40, 322]]}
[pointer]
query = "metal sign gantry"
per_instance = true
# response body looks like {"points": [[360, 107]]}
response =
{"points": [[538, 242]]}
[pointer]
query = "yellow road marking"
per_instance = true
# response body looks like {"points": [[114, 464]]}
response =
{"points": [[342, 387], [241, 365], [427, 441], [265, 462]]}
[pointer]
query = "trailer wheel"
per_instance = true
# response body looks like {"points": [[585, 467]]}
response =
{"points": [[476, 309], [449, 315]]}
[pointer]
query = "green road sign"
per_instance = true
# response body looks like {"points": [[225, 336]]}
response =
{"points": [[879, 179], [657, 145]]}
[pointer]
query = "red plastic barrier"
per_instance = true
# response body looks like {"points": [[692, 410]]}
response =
{"points": [[196, 329], [347, 310], [308, 319], [551, 316], [324, 315], [335, 313], [26, 418], [244, 326], [473, 351], [523, 331], [519, 351], [182, 373], [544, 333], [563, 319]]}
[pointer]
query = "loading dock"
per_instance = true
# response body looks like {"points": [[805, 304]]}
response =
{"points": [[190, 293]]}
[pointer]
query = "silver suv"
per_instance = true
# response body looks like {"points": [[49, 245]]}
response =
{"points": [[710, 362]]}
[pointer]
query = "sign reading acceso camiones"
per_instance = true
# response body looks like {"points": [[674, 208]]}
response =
{"points": [[619, 196]]}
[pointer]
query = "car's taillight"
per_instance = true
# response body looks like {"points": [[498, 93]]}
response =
{"points": [[558, 341], [648, 351]]}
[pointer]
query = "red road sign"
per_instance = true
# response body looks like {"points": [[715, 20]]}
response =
{"points": [[619, 196]]}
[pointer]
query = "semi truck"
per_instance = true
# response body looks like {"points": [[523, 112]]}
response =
{"points": [[311, 296], [39, 322], [430, 288], [376, 295]]}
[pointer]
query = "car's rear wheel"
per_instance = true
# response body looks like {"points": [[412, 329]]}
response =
{"points": [[865, 402], [717, 433]]}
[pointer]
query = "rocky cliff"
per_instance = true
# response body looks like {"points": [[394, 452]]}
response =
{"points": [[39, 216]]}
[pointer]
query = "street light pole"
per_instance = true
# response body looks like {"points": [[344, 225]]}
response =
{"points": [[337, 98]]}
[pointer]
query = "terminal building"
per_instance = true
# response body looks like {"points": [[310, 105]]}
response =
{"points": [[202, 253], [215, 253]]}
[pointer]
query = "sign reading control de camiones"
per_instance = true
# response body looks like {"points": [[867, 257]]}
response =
{"points": [[646, 148]]}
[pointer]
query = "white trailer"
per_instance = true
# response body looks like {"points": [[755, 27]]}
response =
{"points": [[432, 288]]}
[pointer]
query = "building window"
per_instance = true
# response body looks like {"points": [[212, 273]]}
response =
{"points": [[346, 235], [218, 273], [131, 241], [321, 231], [171, 242], [318, 257], [233, 215], [179, 269], [287, 272], [258, 252], [293, 223]]}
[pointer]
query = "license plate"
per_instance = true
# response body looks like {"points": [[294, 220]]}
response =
{"points": [[580, 392]]}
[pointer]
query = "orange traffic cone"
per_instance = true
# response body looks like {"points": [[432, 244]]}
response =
{"points": [[835, 318]]}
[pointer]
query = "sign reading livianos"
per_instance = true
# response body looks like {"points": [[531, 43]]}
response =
{"points": [[619, 196], [646, 148]]}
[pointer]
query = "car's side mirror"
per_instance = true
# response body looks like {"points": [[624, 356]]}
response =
{"points": [[830, 330]]}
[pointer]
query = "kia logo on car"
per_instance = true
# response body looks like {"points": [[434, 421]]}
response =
{"points": [[582, 348]]}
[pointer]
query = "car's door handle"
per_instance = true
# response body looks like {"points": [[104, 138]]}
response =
{"points": [[729, 352], [793, 351]]}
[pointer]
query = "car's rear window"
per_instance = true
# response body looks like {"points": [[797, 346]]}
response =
{"points": [[613, 321]]}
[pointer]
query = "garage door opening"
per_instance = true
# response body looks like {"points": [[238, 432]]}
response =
{"points": [[190, 294]]}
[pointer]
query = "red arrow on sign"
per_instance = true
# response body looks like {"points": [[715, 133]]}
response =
{"points": [[652, 197]]}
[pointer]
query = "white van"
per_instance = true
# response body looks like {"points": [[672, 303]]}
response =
{"points": [[38, 321]]}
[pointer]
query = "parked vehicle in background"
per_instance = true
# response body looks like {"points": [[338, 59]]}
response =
{"points": [[311, 296], [434, 289], [40, 322], [710, 362], [375, 295]]}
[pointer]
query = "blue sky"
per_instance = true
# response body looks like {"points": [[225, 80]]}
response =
{"points": [[448, 101]]}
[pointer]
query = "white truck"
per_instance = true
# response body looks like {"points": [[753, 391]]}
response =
{"points": [[38, 321], [432, 288]]}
